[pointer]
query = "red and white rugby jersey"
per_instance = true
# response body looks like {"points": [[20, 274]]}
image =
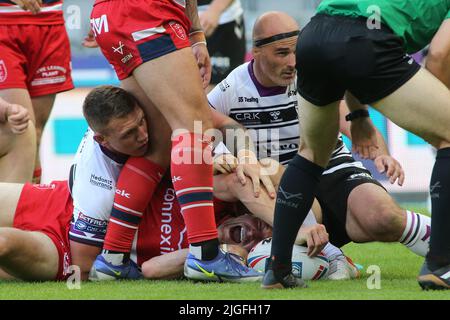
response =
{"points": [[51, 13]]}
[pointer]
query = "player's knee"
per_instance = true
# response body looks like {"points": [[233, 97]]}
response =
{"points": [[387, 223]]}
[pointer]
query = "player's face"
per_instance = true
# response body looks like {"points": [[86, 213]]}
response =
{"points": [[277, 62], [245, 230], [128, 135]]}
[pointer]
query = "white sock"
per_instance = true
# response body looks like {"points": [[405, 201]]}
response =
{"points": [[114, 258], [196, 251], [416, 236], [331, 252]]}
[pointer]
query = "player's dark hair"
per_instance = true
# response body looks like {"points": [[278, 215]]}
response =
{"points": [[105, 103]]}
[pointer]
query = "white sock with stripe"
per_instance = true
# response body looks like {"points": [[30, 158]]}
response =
{"points": [[416, 236]]}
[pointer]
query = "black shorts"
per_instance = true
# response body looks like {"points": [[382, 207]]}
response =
{"points": [[337, 53], [227, 49], [332, 195]]}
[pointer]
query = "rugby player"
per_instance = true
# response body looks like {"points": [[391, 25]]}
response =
{"points": [[34, 67], [362, 47], [261, 96]]}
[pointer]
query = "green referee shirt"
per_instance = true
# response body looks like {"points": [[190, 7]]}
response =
{"points": [[415, 21]]}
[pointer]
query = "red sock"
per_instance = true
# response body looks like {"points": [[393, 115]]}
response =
{"points": [[137, 182], [192, 176]]}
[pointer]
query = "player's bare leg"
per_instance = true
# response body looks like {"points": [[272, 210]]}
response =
{"points": [[42, 107], [17, 152], [28, 255], [372, 215], [428, 114], [9, 197], [183, 103], [23, 254]]}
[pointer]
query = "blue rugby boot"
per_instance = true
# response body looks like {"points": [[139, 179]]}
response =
{"points": [[103, 270], [226, 267]]}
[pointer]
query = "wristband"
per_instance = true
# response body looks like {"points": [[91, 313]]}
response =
{"points": [[360, 113], [197, 37]]}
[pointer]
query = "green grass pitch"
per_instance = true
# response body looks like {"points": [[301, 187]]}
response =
{"points": [[398, 267]]}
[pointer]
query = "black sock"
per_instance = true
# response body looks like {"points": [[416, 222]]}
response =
{"points": [[439, 254], [294, 200], [209, 249]]}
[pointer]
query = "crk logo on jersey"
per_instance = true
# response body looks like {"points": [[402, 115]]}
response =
{"points": [[3, 71], [247, 116], [123, 193], [99, 25]]}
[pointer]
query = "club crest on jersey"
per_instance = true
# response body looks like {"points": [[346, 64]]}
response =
{"points": [[3, 71], [178, 29]]}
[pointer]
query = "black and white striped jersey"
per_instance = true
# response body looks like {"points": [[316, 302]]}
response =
{"points": [[270, 114]]}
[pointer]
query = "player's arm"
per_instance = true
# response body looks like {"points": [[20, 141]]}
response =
{"points": [[34, 6], [363, 136], [209, 19], [227, 188], [242, 143], [198, 42], [438, 58], [166, 266], [83, 256], [171, 265]]}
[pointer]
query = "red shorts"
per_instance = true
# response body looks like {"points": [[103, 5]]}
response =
{"points": [[36, 58], [132, 32], [48, 209]]}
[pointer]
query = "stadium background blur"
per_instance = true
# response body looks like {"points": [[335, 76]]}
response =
{"points": [[66, 124]]}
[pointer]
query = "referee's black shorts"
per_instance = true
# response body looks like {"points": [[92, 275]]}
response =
{"points": [[338, 53]]}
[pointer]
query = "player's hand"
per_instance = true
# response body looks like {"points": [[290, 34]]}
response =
{"points": [[204, 63], [18, 118], [316, 238], [251, 168], [209, 21], [225, 163], [89, 41], [391, 167], [364, 138], [34, 6]]}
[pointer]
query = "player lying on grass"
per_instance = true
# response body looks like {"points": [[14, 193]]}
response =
{"points": [[35, 222]]}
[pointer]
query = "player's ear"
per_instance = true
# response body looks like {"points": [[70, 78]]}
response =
{"points": [[100, 139]]}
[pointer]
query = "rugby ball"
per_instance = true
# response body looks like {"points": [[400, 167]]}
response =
{"points": [[303, 266]]}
